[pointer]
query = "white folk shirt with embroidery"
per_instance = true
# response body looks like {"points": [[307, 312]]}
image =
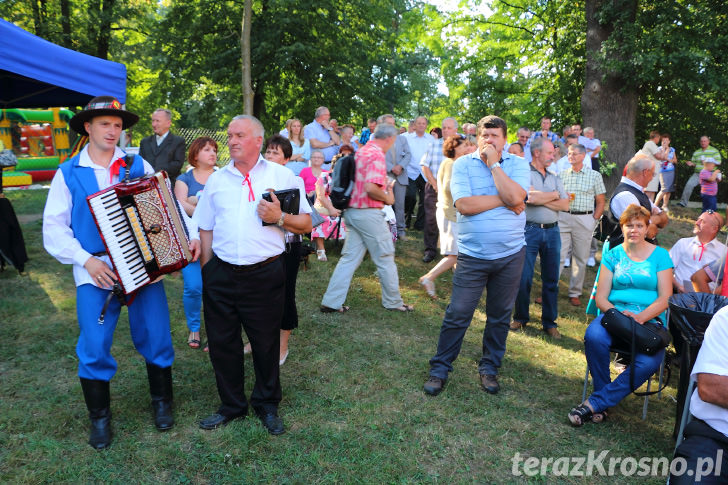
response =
{"points": [[58, 238], [238, 234]]}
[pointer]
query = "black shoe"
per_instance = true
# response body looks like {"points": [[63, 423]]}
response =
{"points": [[428, 257], [490, 383], [434, 385], [96, 394], [271, 421], [160, 388], [216, 420]]}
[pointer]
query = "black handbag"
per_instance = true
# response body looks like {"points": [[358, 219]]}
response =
{"points": [[290, 200], [648, 338]]}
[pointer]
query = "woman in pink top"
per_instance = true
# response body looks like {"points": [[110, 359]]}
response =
{"points": [[312, 173]]}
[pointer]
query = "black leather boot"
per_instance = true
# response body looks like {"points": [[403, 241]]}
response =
{"points": [[96, 394], [160, 387]]}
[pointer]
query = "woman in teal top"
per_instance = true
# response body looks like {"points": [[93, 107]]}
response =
{"points": [[636, 279]]}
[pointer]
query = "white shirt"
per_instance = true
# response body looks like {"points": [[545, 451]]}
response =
{"points": [[623, 199], [418, 148], [238, 234], [590, 144], [712, 359], [160, 138], [559, 165], [58, 238], [687, 258]]}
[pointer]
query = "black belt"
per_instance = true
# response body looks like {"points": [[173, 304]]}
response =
{"points": [[580, 213], [543, 226], [244, 268]]}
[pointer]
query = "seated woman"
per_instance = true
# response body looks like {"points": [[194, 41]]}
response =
{"points": [[312, 173], [324, 207], [636, 279], [188, 188], [453, 148], [300, 146]]}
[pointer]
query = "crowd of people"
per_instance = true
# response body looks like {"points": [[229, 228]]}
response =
{"points": [[492, 208]]}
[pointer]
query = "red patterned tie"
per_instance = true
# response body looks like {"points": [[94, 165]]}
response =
{"points": [[115, 168], [251, 195]]}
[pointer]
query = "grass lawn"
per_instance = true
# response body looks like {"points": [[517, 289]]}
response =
{"points": [[352, 392]]}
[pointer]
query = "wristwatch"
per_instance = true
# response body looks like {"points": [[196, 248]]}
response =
{"points": [[281, 220], [495, 165]]}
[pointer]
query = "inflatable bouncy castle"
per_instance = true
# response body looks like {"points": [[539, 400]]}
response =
{"points": [[40, 141]]}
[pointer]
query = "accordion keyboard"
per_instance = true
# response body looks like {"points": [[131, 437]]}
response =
{"points": [[120, 241]]}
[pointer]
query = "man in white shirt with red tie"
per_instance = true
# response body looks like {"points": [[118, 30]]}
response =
{"points": [[72, 237], [243, 275], [689, 254]]}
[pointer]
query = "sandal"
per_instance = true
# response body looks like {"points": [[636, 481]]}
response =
{"points": [[580, 415], [321, 255], [193, 343], [599, 417], [404, 308], [429, 287], [343, 309]]}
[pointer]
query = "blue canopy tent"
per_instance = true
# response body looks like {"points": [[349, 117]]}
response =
{"points": [[35, 73]]}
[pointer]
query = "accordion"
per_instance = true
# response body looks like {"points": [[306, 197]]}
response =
{"points": [[142, 228]]}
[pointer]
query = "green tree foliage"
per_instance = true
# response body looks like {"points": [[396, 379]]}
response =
{"points": [[521, 60], [359, 58]]}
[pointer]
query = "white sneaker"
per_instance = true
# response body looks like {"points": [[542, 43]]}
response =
{"points": [[567, 262], [591, 261]]}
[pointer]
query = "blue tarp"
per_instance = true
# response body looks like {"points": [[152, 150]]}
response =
{"points": [[35, 73]]}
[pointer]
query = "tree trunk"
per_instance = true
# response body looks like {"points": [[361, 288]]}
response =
{"points": [[102, 45], [248, 93], [66, 24], [608, 102], [37, 21]]}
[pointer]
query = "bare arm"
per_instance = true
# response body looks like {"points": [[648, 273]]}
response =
{"points": [[377, 193], [604, 288], [428, 175], [509, 191], [475, 204], [319, 144], [558, 205], [713, 389], [205, 246], [701, 281], [271, 212], [599, 206], [181, 191], [548, 199]]}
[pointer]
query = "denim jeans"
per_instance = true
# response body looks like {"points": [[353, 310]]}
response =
{"points": [[608, 393], [547, 244], [192, 295], [710, 202], [472, 275]]}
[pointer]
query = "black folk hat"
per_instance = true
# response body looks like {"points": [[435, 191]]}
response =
{"points": [[102, 106]]}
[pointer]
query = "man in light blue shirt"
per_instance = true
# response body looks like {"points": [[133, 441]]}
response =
{"points": [[489, 187], [322, 135], [418, 141]]}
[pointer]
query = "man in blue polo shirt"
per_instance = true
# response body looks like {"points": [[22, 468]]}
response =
{"points": [[489, 187], [322, 135]]}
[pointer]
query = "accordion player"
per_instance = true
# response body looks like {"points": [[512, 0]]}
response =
{"points": [[143, 229]]}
